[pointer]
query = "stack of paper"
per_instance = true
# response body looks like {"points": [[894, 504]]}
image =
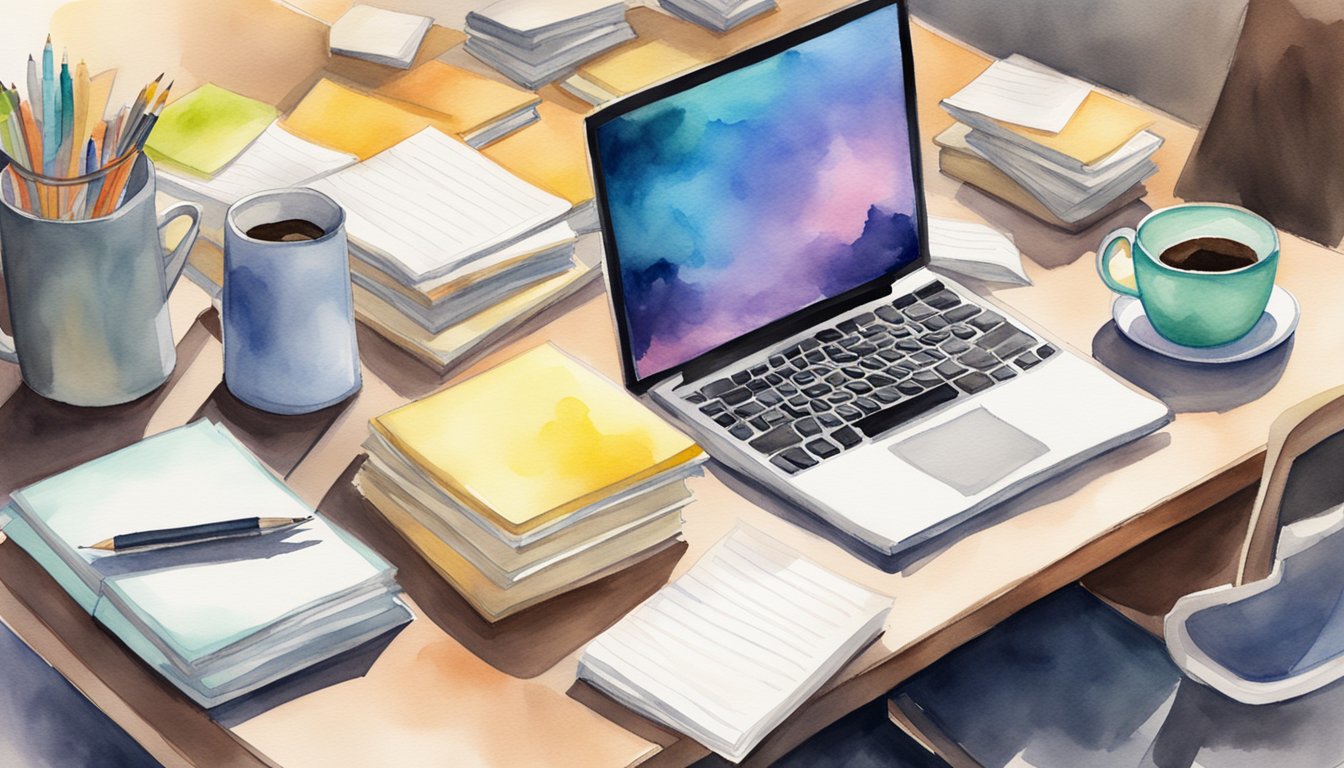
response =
{"points": [[719, 15], [201, 132], [974, 250], [1078, 154], [535, 41], [529, 480], [628, 69], [217, 619], [476, 108], [378, 35], [726, 652]]}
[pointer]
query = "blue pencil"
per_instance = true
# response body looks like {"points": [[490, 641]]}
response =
{"points": [[90, 159], [51, 118]]}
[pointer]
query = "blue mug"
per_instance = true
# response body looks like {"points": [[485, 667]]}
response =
{"points": [[288, 316]]}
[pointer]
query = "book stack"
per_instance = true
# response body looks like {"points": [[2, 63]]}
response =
{"points": [[533, 42], [628, 69], [529, 480], [718, 15], [1047, 143], [218, 619], [460, 236], [736, 644]]}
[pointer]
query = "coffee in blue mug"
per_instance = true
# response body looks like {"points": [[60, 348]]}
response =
{"points": [[1203, 271]]}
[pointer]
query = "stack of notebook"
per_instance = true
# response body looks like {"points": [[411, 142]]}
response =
{"points": [[719, 15], [476, 108], [217, 619], [535, 41], [628, 69], [1047, 143], [440, 234], [529, 480], [732, 647]]}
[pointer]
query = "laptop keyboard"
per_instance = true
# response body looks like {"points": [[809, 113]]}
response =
{"points": [[867, 374]]}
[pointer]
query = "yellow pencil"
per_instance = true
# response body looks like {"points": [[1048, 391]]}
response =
{"points": [[81, 125]]}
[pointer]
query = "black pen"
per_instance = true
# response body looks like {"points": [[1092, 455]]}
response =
{"points": [[195, 534]]}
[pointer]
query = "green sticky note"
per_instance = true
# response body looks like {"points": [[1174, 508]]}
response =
{"points": [[201, 132]]}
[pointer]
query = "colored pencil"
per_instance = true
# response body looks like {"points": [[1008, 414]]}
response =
{"points": [[51, 105], [80, 128], [34, 87]]}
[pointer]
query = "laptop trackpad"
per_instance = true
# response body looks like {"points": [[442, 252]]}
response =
{"points": [[971, 452]]}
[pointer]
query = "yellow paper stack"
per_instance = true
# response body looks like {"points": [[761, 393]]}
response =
{"points": [[529, 480]]}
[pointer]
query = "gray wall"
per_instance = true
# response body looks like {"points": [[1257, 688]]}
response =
{"points": [[1173, 54]]}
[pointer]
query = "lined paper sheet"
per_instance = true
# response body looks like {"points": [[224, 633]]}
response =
{"points": [[975, 250], [277, 159], [728, 650], [1020, 91], [431, 203]]}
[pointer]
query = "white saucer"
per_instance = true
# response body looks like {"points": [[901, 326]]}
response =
{"points": [[1277, 324]]}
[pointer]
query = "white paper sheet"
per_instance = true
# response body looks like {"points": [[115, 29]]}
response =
{"points": [[975, 250], [1023, 92]]}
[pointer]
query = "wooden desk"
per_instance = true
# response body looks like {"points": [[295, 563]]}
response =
{"points": [[452, 690]]}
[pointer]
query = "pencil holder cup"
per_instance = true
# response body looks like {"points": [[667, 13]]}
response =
{"points": [[289, 323], [88, 299]]}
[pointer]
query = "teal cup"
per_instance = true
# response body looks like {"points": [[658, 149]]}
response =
{"points": [[1194, 308]]}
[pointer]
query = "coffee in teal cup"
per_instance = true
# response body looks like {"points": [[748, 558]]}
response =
{"points": [[1204, 271]]}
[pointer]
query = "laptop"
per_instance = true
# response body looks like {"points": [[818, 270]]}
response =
{"points": [[766, 258]]}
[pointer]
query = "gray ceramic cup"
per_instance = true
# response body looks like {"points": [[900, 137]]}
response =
{"points": [[289, 318], [88, 300]]}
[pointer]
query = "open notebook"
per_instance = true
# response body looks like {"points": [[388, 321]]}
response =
{"points": [[726, 652], [217, 619]]}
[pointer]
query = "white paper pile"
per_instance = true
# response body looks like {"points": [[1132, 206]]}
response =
{"points": [[719, 15], [535, 41], [380, 36]]}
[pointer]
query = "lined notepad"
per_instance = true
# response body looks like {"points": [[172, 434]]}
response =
{"points": [[431, 203], [728, 650], [202, 131], [1017, 90], [967, 248], [277, 159]]}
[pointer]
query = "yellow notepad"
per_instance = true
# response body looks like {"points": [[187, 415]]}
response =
{"points": [[202, 131], [534, 439], [551, 153], [1099, 127], [466, 101], [349, 121], [633, 67]]}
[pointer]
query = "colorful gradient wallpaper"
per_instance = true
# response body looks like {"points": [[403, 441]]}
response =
{"points": [[747, 198]]}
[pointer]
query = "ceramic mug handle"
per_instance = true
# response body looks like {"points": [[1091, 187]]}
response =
{"points": [[176, 261], [1106, 251]]}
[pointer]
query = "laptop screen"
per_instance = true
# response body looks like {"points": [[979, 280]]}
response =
{"points": [[745, 199]]}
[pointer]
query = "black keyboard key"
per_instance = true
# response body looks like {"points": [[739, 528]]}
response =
{"points": [[846, 437], [978, 359], [774, 379], [873, 363], [884, 341], [848, 412], [786, 389], [803, 377], [712, 409], [774, 416], [815, 356], [828, 335], [725, 420], [822, 448], [798, 400], [1045, 351], [1003, 374], [909, 388], [898, 332], [879, 380], [986, 320], [892, 355], [819, 406], [716, 388], [853, 372], [996, 337], [798, 457], [901, 302], [935, 323], [759, 423], [933, 338], [845, 357], [889, 315], [859, 387], [695, 397], [849, 341], [758, 385], [864, 318], [922, 359], [864, 350], [887, 395], [926, 378], [829, 420], [748, 410], [899, 413], [973, 382], [839, 397], [919, 311], [867, 405], [776, 361], [1016, 344], [736, 396], [807, 427], [962, 313], [740, 431], [848, 326], [954, 346], [962, 331], [949, 370], [741, 377], [900, 370], [836, 378], [1027, 361], [807, 345], [796, 411], [817, 390], [871, 332], [942, 300], [909, 345], [759, 370], [930, 289], [776, 439]]}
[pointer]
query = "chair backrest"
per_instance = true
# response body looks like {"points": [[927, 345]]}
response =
{"points": [[1304, 476]]}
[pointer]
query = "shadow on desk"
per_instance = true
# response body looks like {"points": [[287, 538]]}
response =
{"points": [[281, 442], [523, 645], [1191, 387]]}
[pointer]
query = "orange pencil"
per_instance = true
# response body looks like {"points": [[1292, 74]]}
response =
{"points": [[33, 139]]}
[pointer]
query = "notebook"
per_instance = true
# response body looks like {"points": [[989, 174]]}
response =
{"points": [[471, 106], [551, 153], [431, 203], [378, 35], [217, 619], [346, 120], [628, 69], [1016, 90], [551, 437], [202, 131], [526, 23], [727, 651]]}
